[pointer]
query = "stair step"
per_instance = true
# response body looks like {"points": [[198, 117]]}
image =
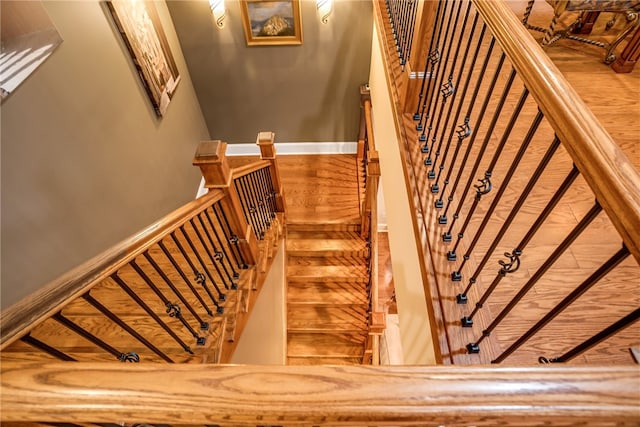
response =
{"points": [[326, 293], [321, 360], [326, 244], [323, 226], [325, 345], [327, 273], [301, 318]]}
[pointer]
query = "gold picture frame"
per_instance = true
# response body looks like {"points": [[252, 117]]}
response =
{"points": [[271, 22]]}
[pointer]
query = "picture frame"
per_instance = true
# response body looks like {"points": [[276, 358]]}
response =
{"points": [[268, 22], [139, 25]]}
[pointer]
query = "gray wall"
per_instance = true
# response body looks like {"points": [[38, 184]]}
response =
{"points": [[302, 93], [85, 161]]}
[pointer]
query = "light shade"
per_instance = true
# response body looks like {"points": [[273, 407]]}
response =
{"points": [[219, 12], [325, 7]]}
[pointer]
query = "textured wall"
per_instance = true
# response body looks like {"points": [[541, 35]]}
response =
{"points": [[85, 161], [302, 93]]}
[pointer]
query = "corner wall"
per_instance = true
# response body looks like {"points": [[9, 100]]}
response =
{"points": [[85, 161], [415, 330], [264, 338]]}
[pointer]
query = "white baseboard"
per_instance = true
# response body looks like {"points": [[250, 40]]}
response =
{"points": [[291, 148], [383, 228]]}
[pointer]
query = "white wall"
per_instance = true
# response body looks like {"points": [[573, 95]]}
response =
{"points": [[264, 339], [415, 331]]}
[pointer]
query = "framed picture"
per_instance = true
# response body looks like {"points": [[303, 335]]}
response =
{"points": [[271, 22], [139, 25]]}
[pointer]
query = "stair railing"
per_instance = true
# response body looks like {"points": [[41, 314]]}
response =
{"points": [[171, 293], [370, 162], [494, 102], [245, 395]]}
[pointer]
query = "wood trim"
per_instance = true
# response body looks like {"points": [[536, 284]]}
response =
{"points": [[248, 168], [607, 170], [40, 305], [320, 395]]}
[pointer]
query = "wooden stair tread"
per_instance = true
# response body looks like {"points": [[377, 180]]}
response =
{"points": [[323, 225], [330, 318], [326, 273], [328, 246], [324, 345], [323, 360], [322, 293]]}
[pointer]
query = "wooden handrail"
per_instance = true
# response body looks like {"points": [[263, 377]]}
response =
{"points": [[29, 312], [320, 395], [249, 168], [607, 170]]}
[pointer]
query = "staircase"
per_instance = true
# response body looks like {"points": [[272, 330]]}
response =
{"points": [[327, 305]]}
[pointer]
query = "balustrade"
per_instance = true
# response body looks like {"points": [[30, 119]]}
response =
{"points": [[169, 294], [493, 163]]}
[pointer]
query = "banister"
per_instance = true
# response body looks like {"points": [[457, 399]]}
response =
{"points": [[38, 306], [320, 395], [249, 168], [607, 170]]}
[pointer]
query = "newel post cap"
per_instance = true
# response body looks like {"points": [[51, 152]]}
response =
{"points": [[265, 141], [211, 158]]}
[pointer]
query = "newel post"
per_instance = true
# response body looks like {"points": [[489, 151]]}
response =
{"points": [[211, 158], [265, 141]]}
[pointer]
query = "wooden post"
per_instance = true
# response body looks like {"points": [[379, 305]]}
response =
{"points": [[211, 158], [265, 141]]}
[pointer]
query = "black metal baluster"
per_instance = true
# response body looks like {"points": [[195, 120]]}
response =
{"points": [[253, 208], [260, 207], [513, 266], [457, 275], [447, 90], [433, 104], [627, 320], [466, 130], [462, 297], [213, 259], [34, 342], [578, 229], [115, 319], [123, 357], [261, 202], [198, 276], [447, 235], [594, 278], [421, 95], [203, 325], [258, 227], [184, 276], [149, 311], [218, 255], [231, 238], [223, 247], [173, 309], [221, 296], [267, 190], [244, 202], [433, 58], [412, 26]]}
